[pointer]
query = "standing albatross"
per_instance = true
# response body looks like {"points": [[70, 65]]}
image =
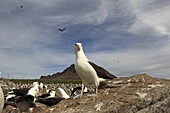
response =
{"points": [[87, 70]]}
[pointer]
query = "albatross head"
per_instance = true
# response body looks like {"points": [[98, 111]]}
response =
{"points": [[35, 84], [79, 52], [32, 91], [78, 47]]}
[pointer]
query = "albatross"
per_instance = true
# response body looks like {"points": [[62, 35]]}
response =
{"points": [[88, 71], [51, 100], [24, 91], [27, 101], [62, 93]]}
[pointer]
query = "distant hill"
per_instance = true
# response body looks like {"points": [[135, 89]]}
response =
{"points": [[70, 74]]}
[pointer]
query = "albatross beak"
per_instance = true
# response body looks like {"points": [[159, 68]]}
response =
{"points": [[78, 48]]}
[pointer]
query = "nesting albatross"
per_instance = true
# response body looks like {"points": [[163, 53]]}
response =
{"points": [[87, 70], [27, 101]]}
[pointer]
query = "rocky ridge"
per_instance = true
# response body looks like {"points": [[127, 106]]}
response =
{"points": [[70, 74], [135, 94]]}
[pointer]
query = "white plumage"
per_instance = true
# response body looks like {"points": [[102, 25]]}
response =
{"points": [[85, 71], [33, 91], [62, 93]]}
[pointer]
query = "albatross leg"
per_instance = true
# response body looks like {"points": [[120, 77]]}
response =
{"points": [[82, 89], [96, 90]]}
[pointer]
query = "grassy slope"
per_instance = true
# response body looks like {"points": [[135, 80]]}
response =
{"points": [[46, 81]]}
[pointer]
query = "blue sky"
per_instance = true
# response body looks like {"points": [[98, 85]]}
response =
{"points": [[126, 37]]}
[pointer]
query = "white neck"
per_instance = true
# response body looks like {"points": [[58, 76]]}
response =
{"points": [[81, 56], [32, 92], [52, 94]]}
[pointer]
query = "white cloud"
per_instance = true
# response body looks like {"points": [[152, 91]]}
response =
{"points": [[96, 15], [135, 33], [149, 17], [123, 63]]}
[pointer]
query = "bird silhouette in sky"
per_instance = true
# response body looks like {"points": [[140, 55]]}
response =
{"points": [[60, 29], [21, 6]]}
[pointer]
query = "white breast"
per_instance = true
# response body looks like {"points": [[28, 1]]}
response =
{"points": [[86, 73]]}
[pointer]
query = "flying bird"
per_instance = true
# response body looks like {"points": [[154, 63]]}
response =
{"points": [[21, 6], [60, 29], [88, 71]]}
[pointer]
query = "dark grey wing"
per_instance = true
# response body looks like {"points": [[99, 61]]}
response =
{"points": [[63, 29], [50, 101], [44, 95], [101, 72], [21, 92], [60, 29], [28, 98]]}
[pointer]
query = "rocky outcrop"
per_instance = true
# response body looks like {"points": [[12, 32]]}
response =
{"points": [[6, 84], [135, 94]]}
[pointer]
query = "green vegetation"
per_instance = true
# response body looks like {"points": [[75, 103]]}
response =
{"points": [[46, 81]]}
